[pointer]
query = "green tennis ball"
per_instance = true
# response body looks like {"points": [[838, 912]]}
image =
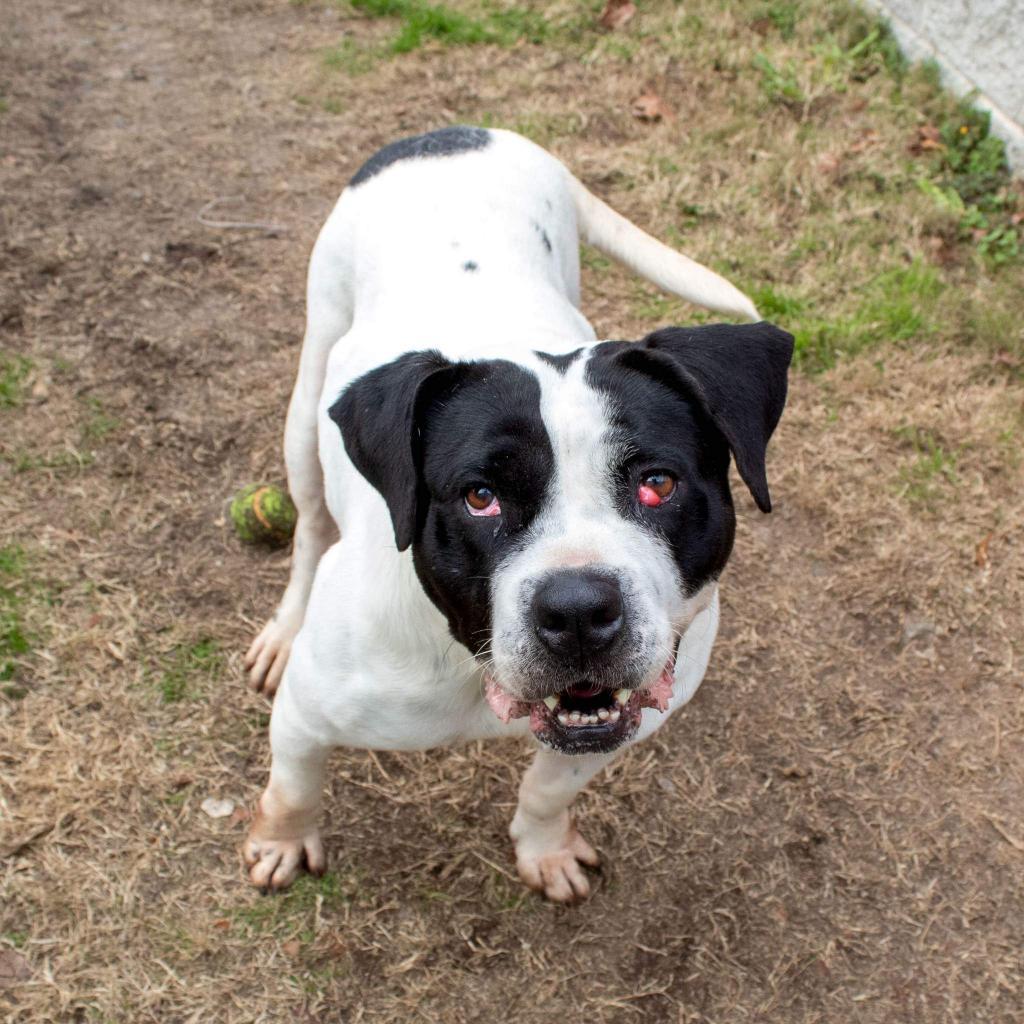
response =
{"points": [[263, 514]]}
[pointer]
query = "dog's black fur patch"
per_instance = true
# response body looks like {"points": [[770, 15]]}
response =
{"points": [[560, 363], [423, 431], [682, 400], [448, 141]]}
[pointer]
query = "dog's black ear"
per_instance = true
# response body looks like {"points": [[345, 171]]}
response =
{"points": [[378, 415], [737, 372]]}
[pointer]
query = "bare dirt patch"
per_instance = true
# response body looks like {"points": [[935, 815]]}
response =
{"points": [[833, 830]]}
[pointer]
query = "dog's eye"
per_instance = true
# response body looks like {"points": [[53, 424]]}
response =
{"points": [[482, 501], [656, 488]]}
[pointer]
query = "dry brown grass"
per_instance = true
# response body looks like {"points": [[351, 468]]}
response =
{"points": [[833, 829]]}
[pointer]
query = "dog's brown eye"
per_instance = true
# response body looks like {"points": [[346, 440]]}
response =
{"points": [[482, 501], [655, 488]]}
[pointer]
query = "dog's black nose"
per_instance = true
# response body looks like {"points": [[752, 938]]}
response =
{"points": [[577, 614]]}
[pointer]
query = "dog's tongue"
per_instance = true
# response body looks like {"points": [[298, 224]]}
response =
{"points": [[505, 706]]}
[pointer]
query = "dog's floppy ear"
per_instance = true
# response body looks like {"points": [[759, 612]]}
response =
{"points": [[737, 372], [378, 415]]}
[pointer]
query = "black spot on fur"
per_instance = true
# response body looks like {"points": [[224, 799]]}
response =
{"points": [[544, 240], [470, 266], [442, 142], [560, 363]]}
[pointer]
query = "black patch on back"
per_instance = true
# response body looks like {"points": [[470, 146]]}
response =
{"points": [[560, 363], [448, 141]]}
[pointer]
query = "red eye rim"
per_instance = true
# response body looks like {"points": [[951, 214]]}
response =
{"points": [[656, 488], [482, 501]]}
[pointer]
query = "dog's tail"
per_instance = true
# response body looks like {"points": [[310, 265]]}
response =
{"points": [[617, 237]]}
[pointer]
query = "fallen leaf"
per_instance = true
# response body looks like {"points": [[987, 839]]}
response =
{"points": [[13, 968], [617, 13], [222, 924], [981, 559], [215, 808], [928, 138], [651, 107], [291, 948], [866, 141]]}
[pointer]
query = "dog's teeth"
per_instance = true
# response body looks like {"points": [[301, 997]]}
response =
{"points": [[574, 717], [615, 715], [563, 718], [603, 714], [621, 696], [552, 703]]}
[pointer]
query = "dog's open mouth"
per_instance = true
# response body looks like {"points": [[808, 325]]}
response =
{"points": [[584, 717]]}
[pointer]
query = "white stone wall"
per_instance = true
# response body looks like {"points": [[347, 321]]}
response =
{"points": [[979, 44]]}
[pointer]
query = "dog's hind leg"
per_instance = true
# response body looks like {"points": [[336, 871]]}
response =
{"points": [[328, 318], [550, 853]]}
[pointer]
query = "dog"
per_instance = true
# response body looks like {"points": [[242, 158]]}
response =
{"points": [[505, 526]]}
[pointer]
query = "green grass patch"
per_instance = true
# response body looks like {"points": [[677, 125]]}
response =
{"points": [[98, 422], [421, 21], [897, 306], [14, 370], [14, 640], [292, 913], [931, 469], [187, 669]]}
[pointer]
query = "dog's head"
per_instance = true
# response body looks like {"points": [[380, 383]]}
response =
{"points": [[568, 516]]}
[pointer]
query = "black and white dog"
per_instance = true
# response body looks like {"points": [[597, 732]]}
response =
{"points": [[532, 523]]}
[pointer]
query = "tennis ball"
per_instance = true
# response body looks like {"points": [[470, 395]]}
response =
{"points": [[263, 514]]}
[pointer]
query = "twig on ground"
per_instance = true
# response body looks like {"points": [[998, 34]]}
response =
{"points": [[239, 225]]}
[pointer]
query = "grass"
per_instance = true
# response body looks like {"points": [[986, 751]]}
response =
{"points": [[420, 22], [931, 470], [14, 369], [14, 640], [187, 668], [293, 913]]}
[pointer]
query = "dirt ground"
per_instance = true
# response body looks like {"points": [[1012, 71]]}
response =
{"points": [[834, 828]]}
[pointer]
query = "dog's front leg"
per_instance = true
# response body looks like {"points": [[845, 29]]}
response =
{"points": [[284, 834], [549, 851]]}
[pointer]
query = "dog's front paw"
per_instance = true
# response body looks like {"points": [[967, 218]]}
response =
{"points": [[274, 863], [554, 865], [267, 656]]}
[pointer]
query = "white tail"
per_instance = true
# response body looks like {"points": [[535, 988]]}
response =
{"points": [[617, 237]]}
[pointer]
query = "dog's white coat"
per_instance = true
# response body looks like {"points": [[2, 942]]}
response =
{"points": [[373, 664]]}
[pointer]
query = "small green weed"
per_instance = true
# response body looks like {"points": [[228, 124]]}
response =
{"points": [[186, 667], [14, 642], [591, 259], [779, 85], [969, 180], [932, 467], [352, 57], [13, 371], [98, 423], [783, 15]]}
